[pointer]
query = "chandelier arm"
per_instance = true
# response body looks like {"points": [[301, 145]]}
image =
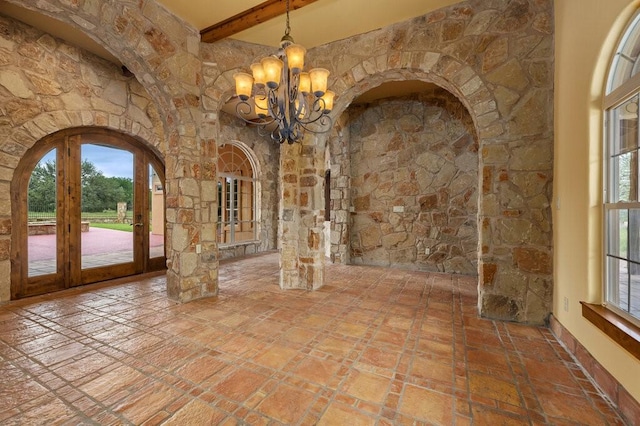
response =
{"points": [[293, 84], [298, 132], [315, 113], [275, 106], [323, 121], [244, 111]]}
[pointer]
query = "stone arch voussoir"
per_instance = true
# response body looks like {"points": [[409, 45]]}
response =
{"points": [[48, 123], [452, 75]]}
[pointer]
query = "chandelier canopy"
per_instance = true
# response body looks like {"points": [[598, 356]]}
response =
{"points": [[280, 98]]}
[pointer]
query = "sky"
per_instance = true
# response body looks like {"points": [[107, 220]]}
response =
{"points": [[111, 162]]}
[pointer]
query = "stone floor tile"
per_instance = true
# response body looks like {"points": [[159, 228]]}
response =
{"points": [[373, 346], [493, 388], [201, 368], [15, 393], [145, 403], [112, 382], [196, 412], [427, 405], [239, 385], [286, 404], [276, 357], [485, 416], [366, 386], [50, 411]]}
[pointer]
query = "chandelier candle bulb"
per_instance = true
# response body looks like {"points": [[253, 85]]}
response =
{"points": [[305, 83], [319, 77], [295, 57], [272, 70], [244, 85], [327, 99], [258, 75], [261, 106]]}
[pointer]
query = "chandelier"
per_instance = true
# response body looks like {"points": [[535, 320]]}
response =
{"points": [[280, 98]]}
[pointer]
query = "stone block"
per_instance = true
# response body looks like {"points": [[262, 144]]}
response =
{"points": [[533, 260], [500, 307]]}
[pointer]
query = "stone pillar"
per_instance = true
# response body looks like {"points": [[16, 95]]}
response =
{"points": [[192, 257], [301, 219], [340, 191], [122, 212]]}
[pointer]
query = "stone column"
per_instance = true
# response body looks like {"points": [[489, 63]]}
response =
{"points": [[340, 191], [191, 213], [301, 219]]}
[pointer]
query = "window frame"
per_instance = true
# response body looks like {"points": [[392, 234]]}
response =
{"points": [[231, 183], [619, 92]]}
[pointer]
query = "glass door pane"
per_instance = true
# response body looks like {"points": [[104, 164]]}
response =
{"points": [[107, 236], [156, 215], [41, 217]]}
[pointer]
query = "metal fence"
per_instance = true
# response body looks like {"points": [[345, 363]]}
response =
{"points": [[42, 212]]}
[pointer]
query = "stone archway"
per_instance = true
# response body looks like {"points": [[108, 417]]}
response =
{"points": [[514, 243], [497, 60], [163, 54]]}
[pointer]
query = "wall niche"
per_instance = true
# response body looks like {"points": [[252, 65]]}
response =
{"points": [[414, 183]]}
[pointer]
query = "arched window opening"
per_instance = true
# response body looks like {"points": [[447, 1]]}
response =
{"points": [[622, 172], [237, 221]]}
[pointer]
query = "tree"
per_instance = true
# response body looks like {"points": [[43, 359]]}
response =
{"points": [[42, 187], [99, 193]]}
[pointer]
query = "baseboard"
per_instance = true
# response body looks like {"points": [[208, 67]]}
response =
{"points": [[623, 400]]}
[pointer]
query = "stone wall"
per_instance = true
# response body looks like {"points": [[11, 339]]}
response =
{"points": [[414, 181], [340, 190], [495, 56]]}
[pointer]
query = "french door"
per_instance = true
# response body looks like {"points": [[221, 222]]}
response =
{"points": [[90, 207]]}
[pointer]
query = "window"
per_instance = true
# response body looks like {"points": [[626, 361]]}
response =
{"points": [[236, 195], [622, 172]]}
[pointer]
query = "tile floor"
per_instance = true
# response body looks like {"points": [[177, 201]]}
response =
{"points": [[374, 346]]}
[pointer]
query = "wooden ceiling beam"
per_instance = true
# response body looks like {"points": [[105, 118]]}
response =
{"points": [[249, 18]]}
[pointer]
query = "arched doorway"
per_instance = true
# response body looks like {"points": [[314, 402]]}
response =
{"points": [[89, 206]]}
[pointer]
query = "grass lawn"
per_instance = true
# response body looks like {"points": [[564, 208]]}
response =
{"points": [[115, 226]]}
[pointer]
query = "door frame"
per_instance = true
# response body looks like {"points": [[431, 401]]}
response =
{"points": [[69, 272]]}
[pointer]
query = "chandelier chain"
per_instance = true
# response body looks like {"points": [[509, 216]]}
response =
{"points": [[288, 28]]}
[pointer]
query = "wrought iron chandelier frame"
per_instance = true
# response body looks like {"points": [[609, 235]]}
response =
{"points": [[287, 108]]}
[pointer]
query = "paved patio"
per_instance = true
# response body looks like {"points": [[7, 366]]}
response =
{"points": [[100, 247]]}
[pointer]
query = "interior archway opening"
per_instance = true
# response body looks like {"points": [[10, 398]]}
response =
{"points": [[413, 181]]}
